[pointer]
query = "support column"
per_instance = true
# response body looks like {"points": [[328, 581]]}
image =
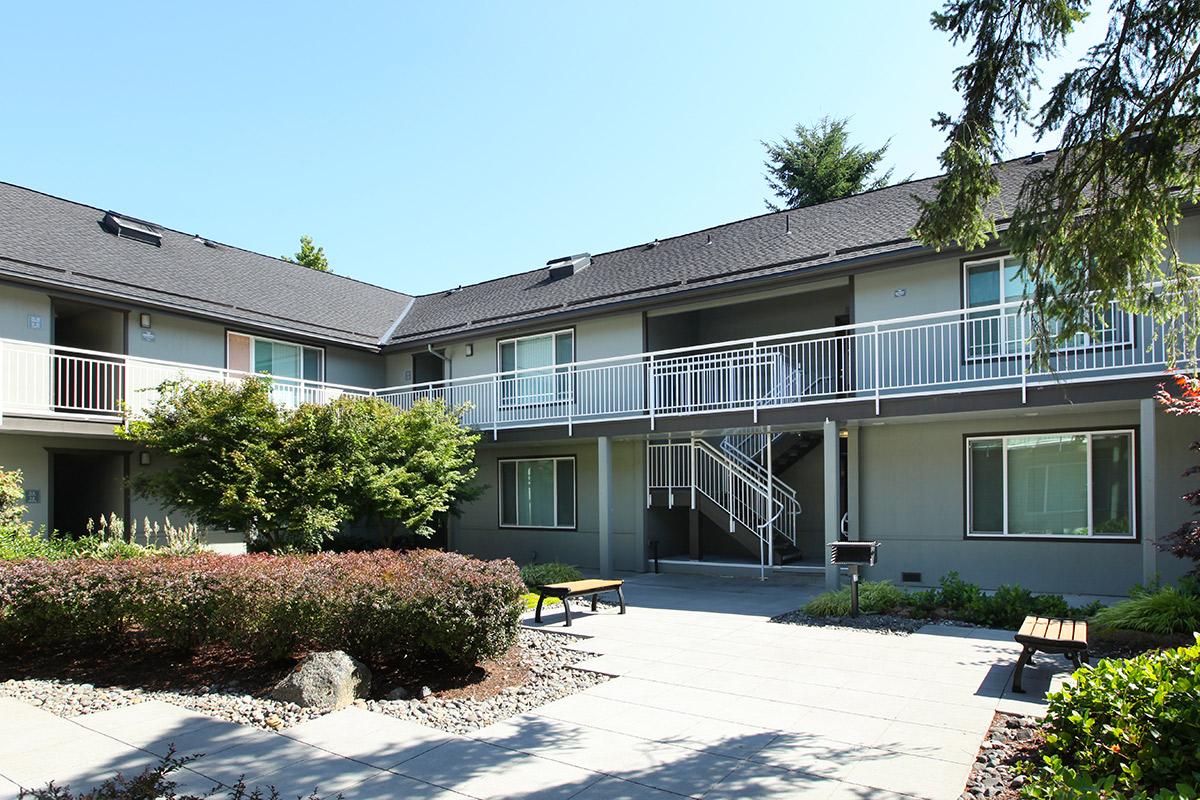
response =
{"points": [[604, 459], [1147, 493], [829, 448], [853, 433]]}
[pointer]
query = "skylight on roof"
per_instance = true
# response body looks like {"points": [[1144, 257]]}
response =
{"points": [[127, 228]]}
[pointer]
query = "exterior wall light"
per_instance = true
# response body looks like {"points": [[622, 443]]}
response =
{"points": [[144, 320], [470, 350], [144, 458]]}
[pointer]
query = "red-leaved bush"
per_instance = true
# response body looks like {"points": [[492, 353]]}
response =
{"points": [[376, 606]]}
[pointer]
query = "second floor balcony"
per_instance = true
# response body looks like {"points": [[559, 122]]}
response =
{"points": [[973, 350]]}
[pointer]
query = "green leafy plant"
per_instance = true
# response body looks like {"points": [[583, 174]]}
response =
{"points": [[874, 597], [1125, 728], [290, 478], [536, 575], [1155, 609]]}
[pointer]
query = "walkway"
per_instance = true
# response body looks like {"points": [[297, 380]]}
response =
{"points": [[710, 701]]}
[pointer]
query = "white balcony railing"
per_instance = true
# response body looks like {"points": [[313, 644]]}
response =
{"points": [[970, 350], [46, 380], [978, 349]]}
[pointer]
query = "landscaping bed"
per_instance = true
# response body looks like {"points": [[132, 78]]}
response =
{"points": [[1010, 740], [535, 671]]}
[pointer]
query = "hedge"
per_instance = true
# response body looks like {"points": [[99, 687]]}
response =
{"points": [[376, 606]]}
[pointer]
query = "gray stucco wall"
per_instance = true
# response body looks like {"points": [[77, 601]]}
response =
{"points": [[918, 514], [478, 531], [16, 306], [30, 454], [600, 337]]}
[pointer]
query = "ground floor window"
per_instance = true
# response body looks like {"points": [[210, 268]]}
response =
{"points": [[1051, 484], [537, 492]]}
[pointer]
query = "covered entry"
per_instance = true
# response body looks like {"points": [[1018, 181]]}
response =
{"points": [[85, 484]]}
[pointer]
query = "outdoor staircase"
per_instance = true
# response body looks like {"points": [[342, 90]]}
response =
{"points": [[756, 508]]}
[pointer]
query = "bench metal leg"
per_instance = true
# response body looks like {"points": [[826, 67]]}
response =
{"points": [[621, 598], [594, 601], [567, 610], [1026, 655], [537, 614]]}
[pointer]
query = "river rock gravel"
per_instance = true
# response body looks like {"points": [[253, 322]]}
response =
{"points": [[548, 656], [1010, 739], [892, 624], [552, 676]]}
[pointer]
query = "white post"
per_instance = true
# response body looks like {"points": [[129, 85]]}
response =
{"points": [[770, 502], [604, 458], [830, 451], [650, 389]]}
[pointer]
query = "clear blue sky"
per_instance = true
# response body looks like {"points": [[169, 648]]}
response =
{"points": [[428, 145]]}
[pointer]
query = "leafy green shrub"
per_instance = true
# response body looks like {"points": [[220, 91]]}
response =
{"points": [[1008, 606], [1127, 728], [536, 575], [1161, 610], [376, 606], [874, 597]]}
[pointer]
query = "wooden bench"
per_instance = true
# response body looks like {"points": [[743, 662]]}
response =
{"points": [[569, 589], [1063, 636]]}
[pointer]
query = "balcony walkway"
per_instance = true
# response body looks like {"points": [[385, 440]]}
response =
{"points": [[709, 700], [870, 363]]}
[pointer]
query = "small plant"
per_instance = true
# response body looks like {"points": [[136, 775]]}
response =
{"points": [[1126, 728], [536, 575], [153, 783], [1157, 609], [874, 597]]}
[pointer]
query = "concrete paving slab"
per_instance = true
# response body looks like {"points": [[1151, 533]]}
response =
{"points": [[486, 771], [155, 726], [764, 781], [390, 786], [375, 739], [651, 763]]}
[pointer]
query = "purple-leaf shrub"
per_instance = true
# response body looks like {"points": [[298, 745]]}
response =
{"points": [[377, 606]]}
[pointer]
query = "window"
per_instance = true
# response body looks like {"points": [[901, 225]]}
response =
{"points": [[537, 362], [1051, 484], [280, 359], [537, 492], [1004, 331]]}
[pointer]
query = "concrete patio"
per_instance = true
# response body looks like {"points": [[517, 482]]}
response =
{"points": [[709, 701]]}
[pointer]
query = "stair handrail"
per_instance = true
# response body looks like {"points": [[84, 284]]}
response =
{"points": [[751, 480], [747, 460]]}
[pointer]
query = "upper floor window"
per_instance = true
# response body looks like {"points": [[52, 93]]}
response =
{"points": [[999, 281], [280, 359], [1051, 484], [537, 366]]}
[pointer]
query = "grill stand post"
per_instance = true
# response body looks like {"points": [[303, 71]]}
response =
{"points": [[853, 590]]}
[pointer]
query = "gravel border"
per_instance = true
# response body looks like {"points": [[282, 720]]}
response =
{"points": [[888, 624], [1009, 740], [548, 655]]}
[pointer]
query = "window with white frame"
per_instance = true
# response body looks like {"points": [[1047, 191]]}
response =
{"points": [[281, 359], [999, 284], [537, 492], [1052, 484], [532, 368]]}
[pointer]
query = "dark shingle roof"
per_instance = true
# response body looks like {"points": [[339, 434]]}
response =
{"points": [[50, 240], [872, 223]]}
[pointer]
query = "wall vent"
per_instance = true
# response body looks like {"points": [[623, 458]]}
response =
{"points": [[910, 577], [568, 265], [128, 228]]}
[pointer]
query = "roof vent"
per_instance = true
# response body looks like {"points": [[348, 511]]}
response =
{"points": [[568, 265], [128, 228], [1035, 158]]}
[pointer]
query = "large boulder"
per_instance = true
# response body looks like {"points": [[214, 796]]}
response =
{"points": [[324, 681]]}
